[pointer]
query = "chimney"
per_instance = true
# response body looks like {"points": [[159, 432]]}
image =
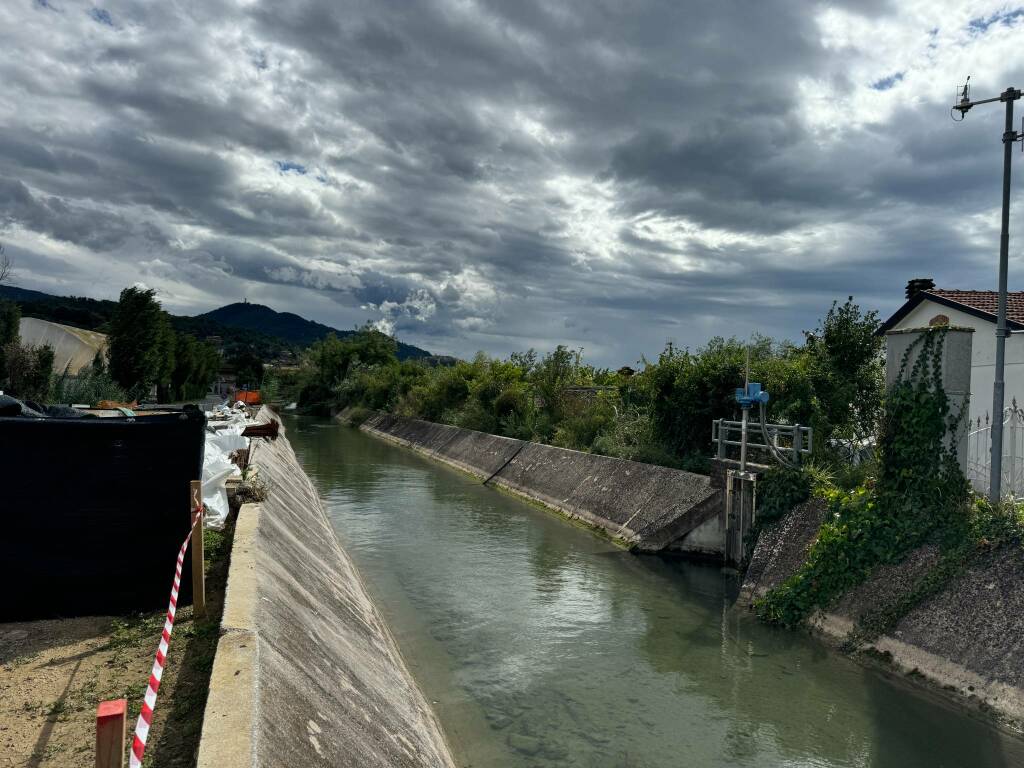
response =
{"points": [[919, 284]]}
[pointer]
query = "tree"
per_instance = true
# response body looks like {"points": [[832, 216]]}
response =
{"points": [[29, 371], [248, 368], [137, 339], [165, 343], [847, 372], [195, 367], [10, 319], [6, 265]]}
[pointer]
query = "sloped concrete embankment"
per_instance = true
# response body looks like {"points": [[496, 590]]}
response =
{"points": [[643, 506], [306, 672], [968, 638]]}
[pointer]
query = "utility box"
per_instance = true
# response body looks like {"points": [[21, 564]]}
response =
{"points": [[955, 351]]}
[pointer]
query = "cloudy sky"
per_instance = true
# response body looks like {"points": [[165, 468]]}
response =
{"points": [[501, 175]]}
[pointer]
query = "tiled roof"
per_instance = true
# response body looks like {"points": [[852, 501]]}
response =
{"points": [[985, 301]]}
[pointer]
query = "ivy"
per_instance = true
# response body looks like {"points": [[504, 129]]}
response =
{"points": [[780, 489], [920, 494]]}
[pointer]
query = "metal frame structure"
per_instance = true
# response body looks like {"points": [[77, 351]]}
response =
{"points": [[794, 439]]}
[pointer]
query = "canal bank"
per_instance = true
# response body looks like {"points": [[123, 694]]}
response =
{"points": [[966, 639], [643, 507], [539, 644], [307, 672]]}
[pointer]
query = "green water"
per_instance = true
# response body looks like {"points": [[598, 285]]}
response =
{"points": [[541, 645]]}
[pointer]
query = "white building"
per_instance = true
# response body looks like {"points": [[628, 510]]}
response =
{"points": [[73, 348], [927, 305]]}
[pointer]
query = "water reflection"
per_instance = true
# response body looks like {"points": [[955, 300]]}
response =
{"points": [[545, 646]]}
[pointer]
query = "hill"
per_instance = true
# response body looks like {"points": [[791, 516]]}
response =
{"points": [[286, 325], [252, 326]]}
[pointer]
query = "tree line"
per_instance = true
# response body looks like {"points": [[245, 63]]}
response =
{"points": [[143, 353], [660, 413]]}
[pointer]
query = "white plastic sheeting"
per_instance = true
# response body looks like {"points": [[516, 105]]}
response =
{"points": [[223, 437]]}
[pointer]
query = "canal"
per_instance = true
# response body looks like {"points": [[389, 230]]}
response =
{"points": [[540, 644]]}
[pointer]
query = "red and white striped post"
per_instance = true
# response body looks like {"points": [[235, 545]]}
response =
{"points": [[111, 729]]}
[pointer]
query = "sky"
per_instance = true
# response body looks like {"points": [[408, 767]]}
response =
{"points": [[499, 176]]}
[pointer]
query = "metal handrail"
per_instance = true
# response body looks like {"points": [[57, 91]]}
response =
{"points": [[802, 438]]}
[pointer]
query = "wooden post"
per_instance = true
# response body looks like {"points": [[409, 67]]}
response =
{"points": [[111, 729], [198, 575]]}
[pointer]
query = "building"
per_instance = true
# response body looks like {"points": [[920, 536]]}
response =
{"points": [[73, 348], [927, 305]]}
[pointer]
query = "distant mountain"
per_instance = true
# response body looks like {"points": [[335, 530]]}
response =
{"points": [[287, 326], [78, 311], [253, 326]]}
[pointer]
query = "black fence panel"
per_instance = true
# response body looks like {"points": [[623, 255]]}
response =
{"points": [[93, 512]]}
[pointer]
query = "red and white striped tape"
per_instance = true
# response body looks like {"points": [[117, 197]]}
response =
{"points": [[149, 702]]}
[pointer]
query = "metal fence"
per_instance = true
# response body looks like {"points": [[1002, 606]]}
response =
{"points": [[979, 454], [790, 440]]}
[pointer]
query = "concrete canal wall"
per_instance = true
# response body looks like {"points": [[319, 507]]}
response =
{"points": [[968, 638], [643, 506], [306, 672]]}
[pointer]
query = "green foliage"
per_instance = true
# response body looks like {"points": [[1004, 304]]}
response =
{"points": [[138, 333], [779, 490], [28, 371], [270, 390], [846, 372], [983, 528], [584, 420], [689, 390], [145, 351], [920, 494], [248, 368], [89, 387], [662, 415], [328, 362], [196, 364], [10, 317]]}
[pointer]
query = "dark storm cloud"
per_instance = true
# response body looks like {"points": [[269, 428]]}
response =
{"points": [[502, 175]]}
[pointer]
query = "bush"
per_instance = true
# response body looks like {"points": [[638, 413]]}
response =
{"points": [[689, 390], [29, 371], [89, 387], [779, 490]]}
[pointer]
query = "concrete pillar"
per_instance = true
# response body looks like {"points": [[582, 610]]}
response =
{"points": [[956, 371]]}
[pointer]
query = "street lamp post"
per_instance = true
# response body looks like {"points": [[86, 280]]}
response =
{"points": [[1010, 136]]}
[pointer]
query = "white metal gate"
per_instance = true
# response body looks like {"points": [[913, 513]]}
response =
{"points": [[979, 454]]}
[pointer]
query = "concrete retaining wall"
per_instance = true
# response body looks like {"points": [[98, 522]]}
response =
{"points": [[968, 638], [643, 506], [306, 672]]}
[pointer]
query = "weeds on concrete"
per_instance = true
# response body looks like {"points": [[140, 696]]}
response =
{"points": [[253, 487], [984, 528]]}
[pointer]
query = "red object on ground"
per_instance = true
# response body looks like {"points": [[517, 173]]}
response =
{"points": [[111, 723], [248, 396]]}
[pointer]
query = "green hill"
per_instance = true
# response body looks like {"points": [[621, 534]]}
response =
{"points": [[286, 325], [251, 326]]}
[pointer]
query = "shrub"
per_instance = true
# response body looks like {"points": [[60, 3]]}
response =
{"points": [[29, 371], [779, 490], [89, 387]]}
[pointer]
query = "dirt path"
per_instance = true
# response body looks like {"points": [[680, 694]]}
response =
{"points": [[53, 674]]}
